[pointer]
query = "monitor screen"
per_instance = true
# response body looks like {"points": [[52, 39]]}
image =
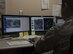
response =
{"points": [[39, 23], [48, 22], [59, 21], [15, 23]]}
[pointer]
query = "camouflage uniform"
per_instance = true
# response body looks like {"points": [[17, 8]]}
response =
{"points": [[57, 39]]}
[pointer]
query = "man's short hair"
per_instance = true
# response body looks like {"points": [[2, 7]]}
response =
{"points": [[67, 8]]}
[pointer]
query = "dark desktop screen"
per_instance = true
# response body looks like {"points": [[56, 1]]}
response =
{"points": [[48, 22]]}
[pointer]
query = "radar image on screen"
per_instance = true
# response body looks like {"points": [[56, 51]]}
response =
{"points": [[12, 23], [38, 24], [48, 22]]}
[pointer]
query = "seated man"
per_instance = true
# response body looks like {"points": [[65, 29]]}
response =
{"points": [[58, 38]]}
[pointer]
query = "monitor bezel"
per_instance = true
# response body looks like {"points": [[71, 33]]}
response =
{"points": [[17, 32], [44, 17]]}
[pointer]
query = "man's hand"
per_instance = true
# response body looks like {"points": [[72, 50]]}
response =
{"points": [[37, 39]]}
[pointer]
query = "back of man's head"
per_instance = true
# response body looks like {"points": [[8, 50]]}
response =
{"points": [[67, 8]]}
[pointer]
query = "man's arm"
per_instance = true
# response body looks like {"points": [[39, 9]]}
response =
{"points": [[48, 43]]}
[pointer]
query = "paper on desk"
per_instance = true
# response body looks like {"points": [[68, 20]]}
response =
{"points": [[21, 34], [33, 33], [31, 36], [56, 10], [25, 33]]}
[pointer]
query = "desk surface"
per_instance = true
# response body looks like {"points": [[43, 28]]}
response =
{"points": [[5, 45]]}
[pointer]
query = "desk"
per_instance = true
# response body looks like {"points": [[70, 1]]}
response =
{"points": [[22, 49]]}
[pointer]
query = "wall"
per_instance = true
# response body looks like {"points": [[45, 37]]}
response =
{"points": [[29, 7]]}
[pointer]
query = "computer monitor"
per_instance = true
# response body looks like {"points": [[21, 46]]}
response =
{"points": [[13, 24], [40, 24], [59, 21]]}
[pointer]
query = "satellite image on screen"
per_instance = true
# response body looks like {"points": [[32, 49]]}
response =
{"points": [[38, 24], [12, 23]]}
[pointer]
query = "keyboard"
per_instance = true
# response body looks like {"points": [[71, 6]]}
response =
{"points": [[18, 42]]}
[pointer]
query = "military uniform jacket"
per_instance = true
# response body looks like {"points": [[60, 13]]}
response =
{"points": [[57, 39]]}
